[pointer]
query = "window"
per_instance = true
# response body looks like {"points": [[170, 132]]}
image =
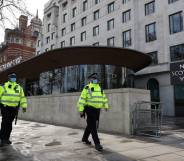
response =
{"points": [[64, 17], [172, 1], [52, 47], [125, 1], [62, 44], [154, 57], [176, 23], [96, 14], [52, 35], [149, 8], [63, 32], [83, 36], [110, 41], [150, 32], [72, 27], [110, 7], [177, 52], [48, 15], [110, 24], [72, 40], [95, 30], [83, 21], [127, 38], [64, 4], [38, 43], [48, 27], [97, 1], [126, 16], [74, 11], [84, 7], [48, 39], [96, 44]]}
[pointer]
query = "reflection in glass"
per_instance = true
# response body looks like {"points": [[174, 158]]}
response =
{"points": [[74, 78]]}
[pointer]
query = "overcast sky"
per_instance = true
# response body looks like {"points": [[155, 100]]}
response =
{"points": [[32, 6]]}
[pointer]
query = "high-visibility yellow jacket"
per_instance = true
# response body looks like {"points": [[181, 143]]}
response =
{"points": [[92, 95], [12, 94]]}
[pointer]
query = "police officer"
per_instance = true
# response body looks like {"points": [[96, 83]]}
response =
{"points": [[92, 99], [11, 97]]}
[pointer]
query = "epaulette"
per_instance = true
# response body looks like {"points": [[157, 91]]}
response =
{"points": [[86, 87]]}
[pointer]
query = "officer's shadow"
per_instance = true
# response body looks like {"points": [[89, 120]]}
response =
{"points": [[8, 153]]}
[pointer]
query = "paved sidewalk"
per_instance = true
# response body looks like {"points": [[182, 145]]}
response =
{"points": [[40, 142]]}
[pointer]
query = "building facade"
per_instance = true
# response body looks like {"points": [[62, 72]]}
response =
{"points": [[19, 43], [150, 26]]}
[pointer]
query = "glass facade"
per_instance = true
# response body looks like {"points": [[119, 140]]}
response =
{"points": [[74, 78]]}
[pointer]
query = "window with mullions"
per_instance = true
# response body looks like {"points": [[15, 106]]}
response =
{"points": [[177, 52], [62, 44], [64, 17], [110, 41], [63, 31], [150, 32], [72, 27], [83, 36], [125, 1], [126, 16], [176, 22], [110, 7], [83, 21], [96, 31], [48, 27], [172, 1], [74, 11], [149, 8], [110, 24], [97, 1], [84, 6], [154, 57], [72, 41], [96, 15], [127, 39]]}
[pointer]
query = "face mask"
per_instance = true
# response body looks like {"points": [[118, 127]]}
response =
{"points": [[13, 79], [95, 81]]}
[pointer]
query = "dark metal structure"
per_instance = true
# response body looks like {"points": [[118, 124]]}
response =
{"points": [[70, 56]]}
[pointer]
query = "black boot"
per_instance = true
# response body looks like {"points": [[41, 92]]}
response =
{"points": [[86, 141], [98, 147]]}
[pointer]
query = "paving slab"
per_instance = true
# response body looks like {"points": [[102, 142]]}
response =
{"points": [[41, 142]]}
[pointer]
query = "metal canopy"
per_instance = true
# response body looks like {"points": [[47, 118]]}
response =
{"points": [[79, 55]]}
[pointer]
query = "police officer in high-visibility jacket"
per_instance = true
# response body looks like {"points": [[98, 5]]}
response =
{"points": [[11, 98], [92, 99]]}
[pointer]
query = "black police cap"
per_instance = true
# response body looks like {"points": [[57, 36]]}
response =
{"points": [[12, 75], [94, 75]]}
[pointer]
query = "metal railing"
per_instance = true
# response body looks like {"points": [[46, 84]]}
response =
{"points": [[147, 118]]}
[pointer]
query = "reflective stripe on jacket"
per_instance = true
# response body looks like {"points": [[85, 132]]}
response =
{"points": [[12, 94], [92, 95]]}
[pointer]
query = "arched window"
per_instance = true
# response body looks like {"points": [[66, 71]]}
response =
{"points": [[153, 86]]}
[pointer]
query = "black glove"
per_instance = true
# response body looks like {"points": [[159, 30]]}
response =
{"points": [[24, 110], [82, 114]]}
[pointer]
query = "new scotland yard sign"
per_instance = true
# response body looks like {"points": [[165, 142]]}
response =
{"points": [[177, 73]]}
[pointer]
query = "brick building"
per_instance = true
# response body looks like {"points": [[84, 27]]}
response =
{"points": [[19, 43]]}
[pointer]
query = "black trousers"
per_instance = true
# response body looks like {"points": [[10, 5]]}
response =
{"points": [[8, 115], [92, 118]]}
